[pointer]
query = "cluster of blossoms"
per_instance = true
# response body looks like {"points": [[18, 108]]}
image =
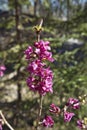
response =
{"points": [[40, 78], [48, 121], [71, 104], [2, 69]]}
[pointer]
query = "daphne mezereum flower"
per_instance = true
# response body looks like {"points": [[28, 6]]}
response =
{"points": [[42, 50], [80, 124], [42, 83], [43, 45], [68, 116], [48, 121], [28, 52], [73, 103], [40, 78], [54, 109], [35, 66], [2, 69]]}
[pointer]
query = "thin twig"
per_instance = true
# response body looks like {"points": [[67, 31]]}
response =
{"points": [[38, 37], [5, 121], [40, 109], [41, 23], [39, 112], [40, 28], [41, 97]]}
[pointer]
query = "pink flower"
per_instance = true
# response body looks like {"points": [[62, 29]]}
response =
{"points": [[46, 72], [74, 103], [35, 66], [40, 78], [28, 52], [1, 73], [45, 86], [46, 55], [48, 121], [80, 124], [2, 69], [42, 50], [68, 116], [31, 82], [43, 45], [54, 109]]}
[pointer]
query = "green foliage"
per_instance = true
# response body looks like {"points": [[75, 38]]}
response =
{"points": [[20, 3], [70, 73]]}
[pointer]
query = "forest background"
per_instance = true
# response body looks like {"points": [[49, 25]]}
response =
{"points": [[65, 26]]}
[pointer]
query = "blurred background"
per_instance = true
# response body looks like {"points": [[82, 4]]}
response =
{"points": [[65, 26]]}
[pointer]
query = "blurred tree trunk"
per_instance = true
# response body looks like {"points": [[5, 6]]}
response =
{"points": [[18, 41], [35, 7], [60, 8], [68, 10], [17, 20], [68, 16], [40, 7]]}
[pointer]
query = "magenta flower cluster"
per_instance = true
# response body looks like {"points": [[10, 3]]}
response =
{"points": [[73, 103], [68, 114], [54, 109], [2, 69], [40, 78], [48, 121]]}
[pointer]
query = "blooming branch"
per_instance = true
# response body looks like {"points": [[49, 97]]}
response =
{"points": [[40, 78]]}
